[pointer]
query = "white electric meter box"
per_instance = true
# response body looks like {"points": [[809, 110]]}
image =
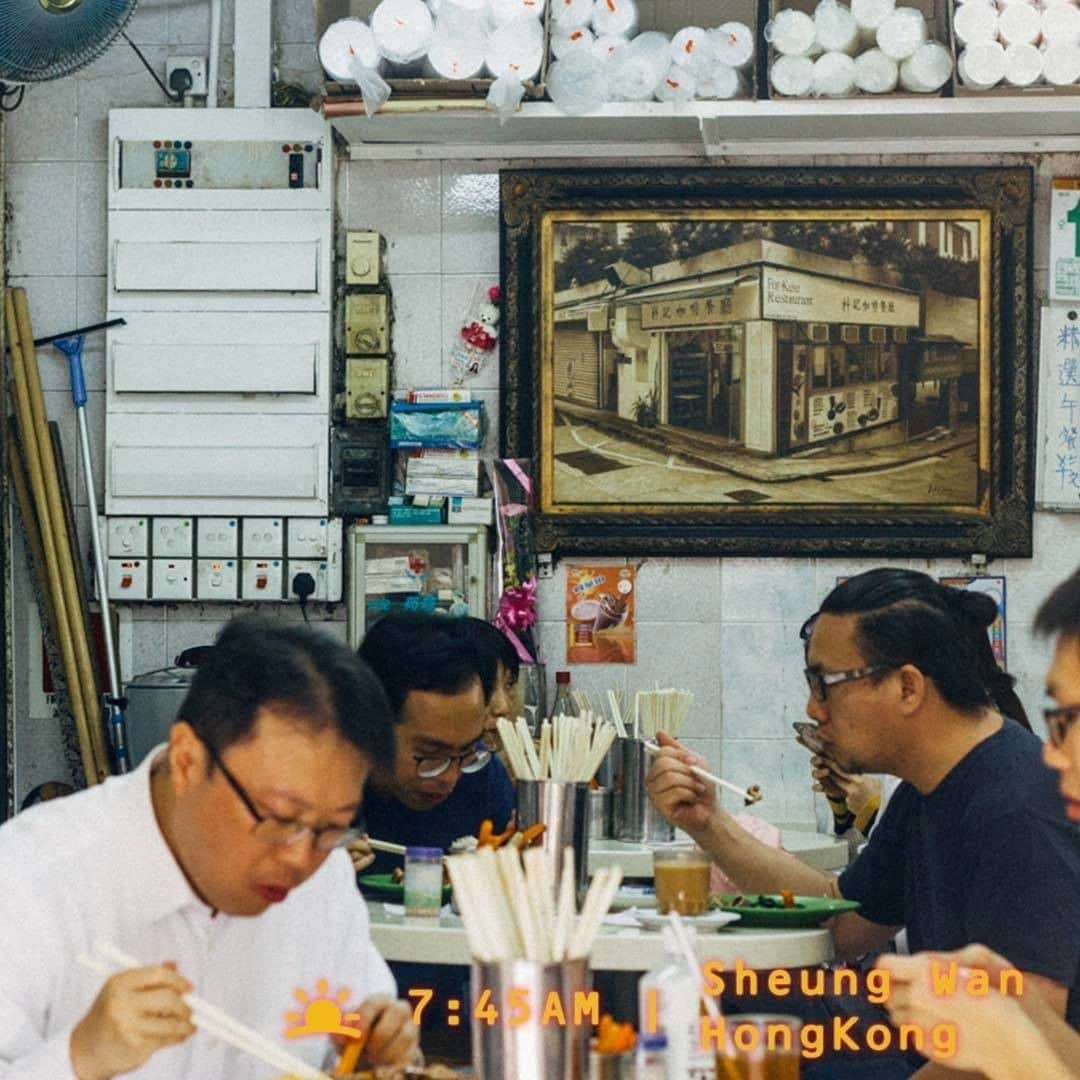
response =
{"points": [[216, 579], [415, 568], [129, 579], [218, 538], [220, 249], [171, 579], [263, 538]]}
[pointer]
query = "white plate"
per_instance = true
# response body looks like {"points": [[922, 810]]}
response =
{"points": [[633, 898], [711, 920]]}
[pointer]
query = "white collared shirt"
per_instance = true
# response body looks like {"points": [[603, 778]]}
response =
{"points": [[95, 867]]}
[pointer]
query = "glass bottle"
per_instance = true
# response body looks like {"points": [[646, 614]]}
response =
{"points": [[563, 705]]}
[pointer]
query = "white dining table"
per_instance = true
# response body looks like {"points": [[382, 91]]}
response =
{"points": [[442, 940]]}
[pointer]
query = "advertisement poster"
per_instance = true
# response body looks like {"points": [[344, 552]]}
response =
{"points": [[600, 615], [994, 587], [1058, 475], [1065, 239]]}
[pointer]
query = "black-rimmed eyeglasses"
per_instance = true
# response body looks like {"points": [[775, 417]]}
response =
{"points": [[820, 681], [281, 832], [472, 761], [1059, 721]]}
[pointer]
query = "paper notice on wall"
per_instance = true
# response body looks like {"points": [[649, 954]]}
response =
{"points": [[600, 625], [1065, 239], [1058, 467], [994, 587]]}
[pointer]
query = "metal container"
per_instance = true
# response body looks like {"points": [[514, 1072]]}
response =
{"points": [[563, 807], [153, 702], [637, 821], [599, 813], [509, 1049]]}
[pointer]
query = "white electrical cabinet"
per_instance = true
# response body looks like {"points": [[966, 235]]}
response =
{"points": [[415, 568], [220, 257]]}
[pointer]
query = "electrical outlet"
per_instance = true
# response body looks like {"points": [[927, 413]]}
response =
{"points": [[196, 68]]}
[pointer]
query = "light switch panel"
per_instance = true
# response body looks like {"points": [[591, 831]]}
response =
{"points": [[363, 258], [367, 323], [367, 387]]}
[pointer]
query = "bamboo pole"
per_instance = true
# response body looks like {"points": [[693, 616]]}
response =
{"points": [[65, 636], [88, 682]]}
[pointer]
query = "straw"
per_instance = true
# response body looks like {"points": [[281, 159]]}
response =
{"points": [[751, 794], [209, 1018]]}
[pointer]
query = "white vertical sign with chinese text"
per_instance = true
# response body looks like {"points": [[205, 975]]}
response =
{"points": [[1065, 239], [1058, 484]]}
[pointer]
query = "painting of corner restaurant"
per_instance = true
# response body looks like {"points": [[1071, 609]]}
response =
{"points": [[767, 360]]}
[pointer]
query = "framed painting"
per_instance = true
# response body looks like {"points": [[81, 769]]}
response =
{"points": [[771, 360]]}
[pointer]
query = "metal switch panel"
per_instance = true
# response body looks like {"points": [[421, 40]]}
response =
{"points": [[367, 388], [307, 538], [129, 579], [218, 538], [172, 579], [363, 258], [367, 324], [263, 538], [216, 579], [127, 537], [172, 537], [262, 579]]}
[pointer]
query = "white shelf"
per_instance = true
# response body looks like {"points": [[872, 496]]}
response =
{"points": [[1022, 123]]}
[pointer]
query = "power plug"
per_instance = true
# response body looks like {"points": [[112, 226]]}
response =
{"points": [[196, 69]]}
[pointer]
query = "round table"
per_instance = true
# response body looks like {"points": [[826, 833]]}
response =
{"points": [[442, 941]]}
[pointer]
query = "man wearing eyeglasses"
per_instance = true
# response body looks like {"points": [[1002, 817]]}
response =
{"points": [[973, 846], [215, 866], [444, 781]]}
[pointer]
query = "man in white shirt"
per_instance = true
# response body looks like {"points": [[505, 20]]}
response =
{"points": [[215, 864]]}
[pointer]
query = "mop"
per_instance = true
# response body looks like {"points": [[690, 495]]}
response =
{"points": [[71, 345]]}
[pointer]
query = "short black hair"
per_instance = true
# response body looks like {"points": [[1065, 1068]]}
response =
{"points": [[411, 651], [1059, 613], [307, 674], [492, 645], [905, 617]]}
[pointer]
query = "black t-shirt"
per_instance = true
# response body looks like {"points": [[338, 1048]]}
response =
{"points": [[488, 793], [988, 856]]}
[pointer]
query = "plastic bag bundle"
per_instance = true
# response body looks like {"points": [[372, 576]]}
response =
{"points": [[614, 16], [638, 67], [566, 40], [578, 82], [403, 30], [692, 49]]}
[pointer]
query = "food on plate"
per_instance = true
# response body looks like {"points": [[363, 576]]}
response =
{"points": [[613, 1037]]}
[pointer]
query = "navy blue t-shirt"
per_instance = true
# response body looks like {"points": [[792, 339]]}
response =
{"points": [[488, 793], [988, 856]]}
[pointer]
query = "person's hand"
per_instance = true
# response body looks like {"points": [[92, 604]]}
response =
{"points": [[683, 798], [360, 852], [135, 1014], [986, 1028], [392, 1037], [856, 789]]}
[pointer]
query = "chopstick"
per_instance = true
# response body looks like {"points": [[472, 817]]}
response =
{"points": [[210, 1019], [385, 845], [750, 795]]}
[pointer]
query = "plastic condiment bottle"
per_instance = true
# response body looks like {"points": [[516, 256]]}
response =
{"points": [[652, 1058], [423, 880], [564, 703], [668, 1006]]}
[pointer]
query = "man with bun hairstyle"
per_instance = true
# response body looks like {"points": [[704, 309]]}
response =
{"points": [[974, 846]]}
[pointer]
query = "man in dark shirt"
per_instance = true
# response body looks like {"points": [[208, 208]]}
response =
{"points": [[445, 781], [974, 846]]}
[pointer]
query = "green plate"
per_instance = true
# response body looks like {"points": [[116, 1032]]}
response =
{"points": [[384, 888], [809, 910]]}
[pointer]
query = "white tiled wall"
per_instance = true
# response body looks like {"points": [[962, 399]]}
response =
{"points": [[725, 629]]}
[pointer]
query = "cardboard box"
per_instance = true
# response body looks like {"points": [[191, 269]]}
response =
{"points": [[416, 515], [466, 511]]}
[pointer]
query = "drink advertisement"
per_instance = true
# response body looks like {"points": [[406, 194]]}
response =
{"points": [[600, 615]]}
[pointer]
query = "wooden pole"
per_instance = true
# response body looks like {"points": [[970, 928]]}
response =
{"points": [[48, 541]]}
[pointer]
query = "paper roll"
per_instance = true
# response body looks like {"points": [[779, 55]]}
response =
{"points": [[792, 76], [603, 48], [975, 21], [1019, 24], [1061, 25], [791, 33], [456, 57], [343, 42], [1061, 65], [565, 39], [723, 83], [1023, 65], [875, 73], [403, 30], [678, 84], [733, 44], [614, 16], [577, 83], [982, 65], [516, 49], [508, 11], [833, 75], [869, 14], [901, 33], [835, 29], [927, 70]]}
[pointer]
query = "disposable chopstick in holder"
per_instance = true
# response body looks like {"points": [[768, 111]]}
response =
{"points": [[108, 959], [386, 846], [750, 795]]}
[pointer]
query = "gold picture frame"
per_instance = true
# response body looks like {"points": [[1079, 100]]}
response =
{"points": [[722, 361]]}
